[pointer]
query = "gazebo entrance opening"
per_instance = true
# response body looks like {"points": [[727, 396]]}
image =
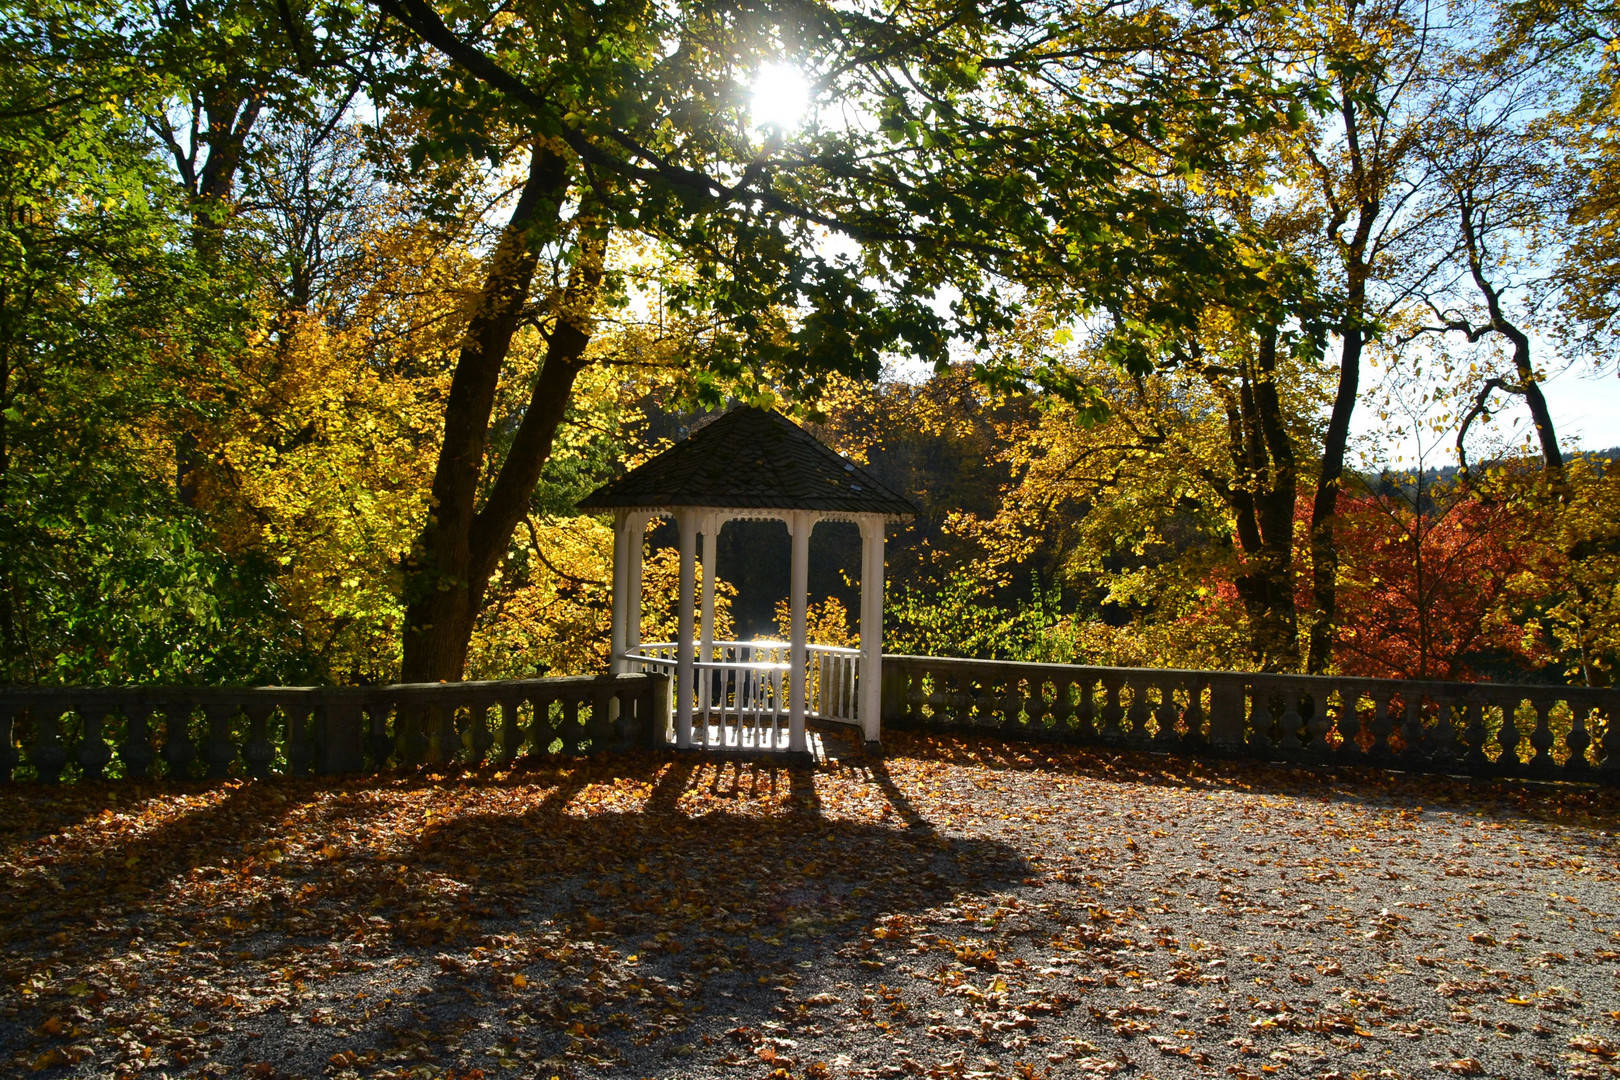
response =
{"points": [[742, 691], [756, 695]]}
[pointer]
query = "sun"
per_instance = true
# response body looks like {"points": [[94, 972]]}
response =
{"points": [[781, 97]]}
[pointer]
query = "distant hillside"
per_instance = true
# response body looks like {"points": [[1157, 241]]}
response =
{"points": [[1392, 478]]}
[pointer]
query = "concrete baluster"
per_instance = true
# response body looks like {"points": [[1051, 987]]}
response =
{"points": [[1413, 735], [258, 753], [511, 738], [1085, 708], [1193, 717], [600, 729], [1349, 721], [1508, 736], [178, 750], [573, 730], [1379, 725], [49, 754], [410, 718], [1260, 720], [136, 750], [1062, 711], [543, 730], [1474, 735], [300, 741], [1137, 718], [1113, 713], [1291, 723], [1318, 726], [1578, 739], [1167, 715], [379, 742], [1609, 760], [479, 736], [1226, 713], [444, 737], [93, 754], [1442, 743], [8, 742], [218, 749], [1541, 737]]}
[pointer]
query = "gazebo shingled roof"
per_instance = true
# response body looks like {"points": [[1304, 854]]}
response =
{"points": [[751, 459]]}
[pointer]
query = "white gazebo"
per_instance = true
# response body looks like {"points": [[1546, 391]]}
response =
{"points": [[750, 695]]}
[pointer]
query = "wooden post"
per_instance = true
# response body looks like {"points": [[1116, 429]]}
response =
{"points": [[706, 621], [800, 522], [621, 593], [870, 708], [687, 523], [635, 541]]}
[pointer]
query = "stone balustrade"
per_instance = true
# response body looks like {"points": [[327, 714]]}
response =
{"points": [[52, 733], [1489, 729]]}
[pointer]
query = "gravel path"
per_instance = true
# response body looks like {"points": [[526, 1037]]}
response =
{"points": [[960, 909]]}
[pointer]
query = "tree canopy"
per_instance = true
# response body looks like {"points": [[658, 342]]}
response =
{"points": [[315, 320]]}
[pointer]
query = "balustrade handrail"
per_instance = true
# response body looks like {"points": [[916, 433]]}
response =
{"points": [[1596, 694]]}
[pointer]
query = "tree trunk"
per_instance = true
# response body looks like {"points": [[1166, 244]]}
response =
{"points": [[1365, 200], [1529, 385], [1261, 498], [462, 544], [1325, 506], [1274, 507]]}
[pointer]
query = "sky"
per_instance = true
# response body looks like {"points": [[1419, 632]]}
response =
{"points": [[1585, 408]]}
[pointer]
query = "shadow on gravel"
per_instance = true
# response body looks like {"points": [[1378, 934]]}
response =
{"points": [[296, 929]]}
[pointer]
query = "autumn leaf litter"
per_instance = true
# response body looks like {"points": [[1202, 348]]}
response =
{"points": [[959, 908]]}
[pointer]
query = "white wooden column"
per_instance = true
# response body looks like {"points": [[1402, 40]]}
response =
{"points": [[687, 522], [635, 542], [871, 680], [800, 522], [621, 596], [711, 526]]}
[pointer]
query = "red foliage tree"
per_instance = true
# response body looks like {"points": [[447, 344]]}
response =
{"points": [[1426, 580]]}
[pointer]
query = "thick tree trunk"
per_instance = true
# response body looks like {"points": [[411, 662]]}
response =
{"points": [[1261, 496], [463, 543]]}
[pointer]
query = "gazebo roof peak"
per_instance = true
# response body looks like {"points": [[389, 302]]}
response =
{"points": [[750, 459]]}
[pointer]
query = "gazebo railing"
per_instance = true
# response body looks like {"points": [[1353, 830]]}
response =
{"points": [[741, 689]]}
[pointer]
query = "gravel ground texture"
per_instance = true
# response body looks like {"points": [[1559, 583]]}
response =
{"points": [[956, 908]]}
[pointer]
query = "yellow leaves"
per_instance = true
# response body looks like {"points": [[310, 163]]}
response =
{"points": [[555, 618]]}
